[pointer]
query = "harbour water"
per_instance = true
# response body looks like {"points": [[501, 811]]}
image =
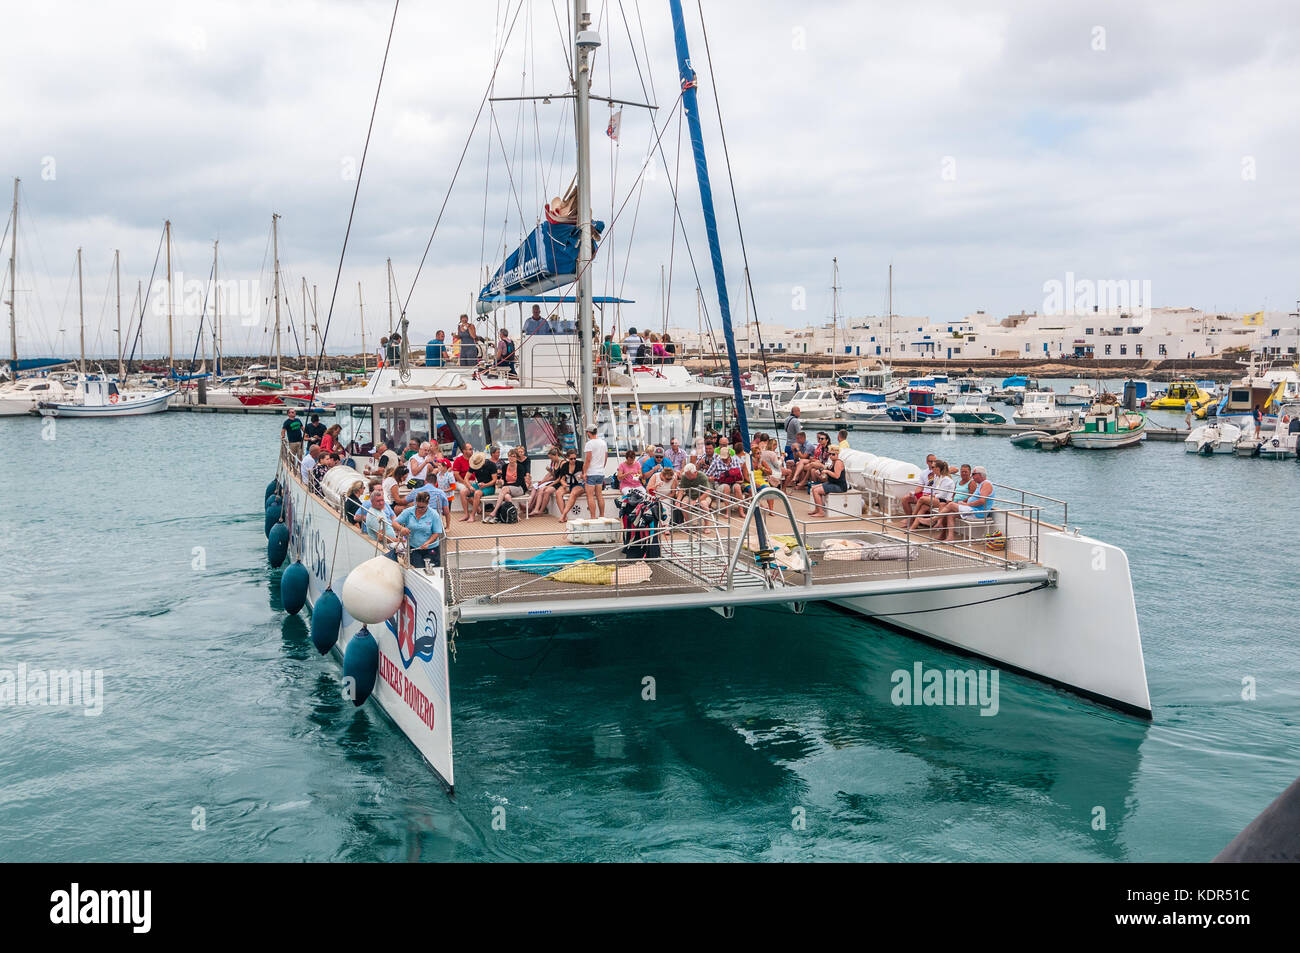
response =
{"points": [[223, 735]]}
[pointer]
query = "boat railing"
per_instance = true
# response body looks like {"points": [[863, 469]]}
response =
{"points": [[717, 550]]}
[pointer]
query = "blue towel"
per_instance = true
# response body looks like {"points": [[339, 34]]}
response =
{"points": [[545, 563]]}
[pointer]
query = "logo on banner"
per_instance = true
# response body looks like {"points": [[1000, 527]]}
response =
{"points": [[402, 625]]}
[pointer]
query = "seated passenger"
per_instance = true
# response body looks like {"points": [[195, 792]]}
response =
{"points": [[513, 481], [978, 504], [628, 473], [377, 516], [833, 480], [909, 501], [939, 494], [572, 486], [546, 487], [693, 487]]}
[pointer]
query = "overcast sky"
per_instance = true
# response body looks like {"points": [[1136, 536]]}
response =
{"points": [[983, 148]]}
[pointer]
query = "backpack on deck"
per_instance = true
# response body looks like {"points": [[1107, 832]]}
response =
{"points": [[507, 512]]}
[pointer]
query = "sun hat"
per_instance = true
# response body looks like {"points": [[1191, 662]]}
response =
{"points": [[477, 461]]}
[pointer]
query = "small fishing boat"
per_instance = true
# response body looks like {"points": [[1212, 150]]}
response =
{"points": [[919, 406], [1218, 437], [1106, 426], [1039, 409], [99, 397], [973, 408]]}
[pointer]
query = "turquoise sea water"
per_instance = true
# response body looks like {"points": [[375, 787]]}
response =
{"points": [[215, 700]]}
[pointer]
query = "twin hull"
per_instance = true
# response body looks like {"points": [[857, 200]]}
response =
{"points": [[413, 686]]}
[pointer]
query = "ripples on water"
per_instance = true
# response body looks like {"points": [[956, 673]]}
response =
{"points": [[216, 699]]}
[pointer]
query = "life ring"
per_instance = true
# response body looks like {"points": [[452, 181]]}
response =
{"points": [[112, 398]]}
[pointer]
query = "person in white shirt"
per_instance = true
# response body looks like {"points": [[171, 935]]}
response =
{"points": [[421, 465], [595, 455], [938, 495], [309, 461], [631, 343]]}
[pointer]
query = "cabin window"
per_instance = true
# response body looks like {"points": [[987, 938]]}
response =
{"points": [[420, 423], [503, 427], [469, 421], [545, 427]]}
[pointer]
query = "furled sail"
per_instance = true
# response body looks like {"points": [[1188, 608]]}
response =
{"points": [[547, 258]]}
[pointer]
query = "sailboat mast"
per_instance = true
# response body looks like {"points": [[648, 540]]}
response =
{"points": [[889, 346], [390, 297], [362, 306], [171, 344], [81, 314], [117, 273], [216, 313], [275, 283], [835, 310], [13, 289], [585, 40]]}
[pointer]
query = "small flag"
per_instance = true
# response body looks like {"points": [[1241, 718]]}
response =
{"points": [[615, 120]]}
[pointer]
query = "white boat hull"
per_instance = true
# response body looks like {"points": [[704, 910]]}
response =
{"points": [[127, 407], [414, 692], [1082, 634]]}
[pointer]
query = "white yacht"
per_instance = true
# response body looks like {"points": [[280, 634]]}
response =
{"points": [[1038, 409], [1079, 395], [819, 403], [23, 395]]}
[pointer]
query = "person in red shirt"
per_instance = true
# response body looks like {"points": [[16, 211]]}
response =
{"points": [[465, 485]]}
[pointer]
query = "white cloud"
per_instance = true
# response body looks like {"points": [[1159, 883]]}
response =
{"points": [[1122, 162]]}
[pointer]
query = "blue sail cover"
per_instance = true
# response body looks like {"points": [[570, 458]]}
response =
{"points": [[547, 259]]}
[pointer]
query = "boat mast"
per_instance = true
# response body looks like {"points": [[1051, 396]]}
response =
{"points": [[362, 306], [585, 40], [390, 297], [13, 289], [171, 348], [835, 308], [275, 242], [304, 324], [216, 314], [889, 345], [117, 272], [81, 314]]}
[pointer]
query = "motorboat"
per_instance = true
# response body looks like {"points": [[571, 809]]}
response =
{"points": [[1079, 395], [1038, 409], [861, 407], [1218, 437], [1041, 439], [1177, 395], [1281, 443], [974, 409], [813, 402], [23, 395]]}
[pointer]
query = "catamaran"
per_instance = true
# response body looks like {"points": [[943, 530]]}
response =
{"points": [[1019, 587]]}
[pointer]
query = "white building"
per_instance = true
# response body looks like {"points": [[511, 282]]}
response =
{"points": [[1156, 334]]}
